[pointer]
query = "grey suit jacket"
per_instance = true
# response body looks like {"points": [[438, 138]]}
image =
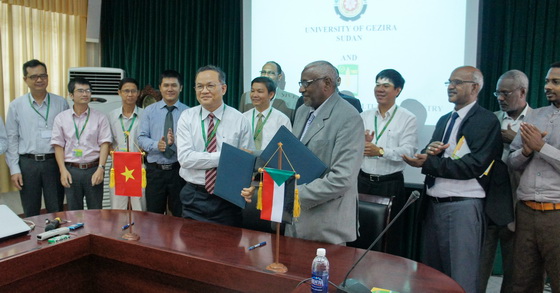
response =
{"points": [[329, 204]]}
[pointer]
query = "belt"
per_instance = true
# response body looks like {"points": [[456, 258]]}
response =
{"points": [[165, 167], [83, 166], [381, 178], [198, 187], [448, 199], [542, 206], [38, 158]]}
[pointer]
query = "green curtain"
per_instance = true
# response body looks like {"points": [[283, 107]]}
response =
{"points": [[145, 37], [518, 34]]}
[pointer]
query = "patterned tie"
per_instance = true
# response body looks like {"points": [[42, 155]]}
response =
{"points": [[168, 124], [431, 180], [258, 139], [211, 173], [309, 120]]}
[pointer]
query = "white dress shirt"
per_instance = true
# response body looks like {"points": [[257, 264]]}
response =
{"points": [[399, 138], [272, 124], [233, 129]]}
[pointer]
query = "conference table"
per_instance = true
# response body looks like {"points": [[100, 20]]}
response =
{"points": [[180, 255]]}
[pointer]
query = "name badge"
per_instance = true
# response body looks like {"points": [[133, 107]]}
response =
{"points": [[77, 153], [46, 134]]}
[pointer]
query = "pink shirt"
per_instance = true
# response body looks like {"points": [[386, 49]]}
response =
{"points": [[96, 132]]}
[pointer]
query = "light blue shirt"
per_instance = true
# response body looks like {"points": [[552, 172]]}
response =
{"points": [[28, 132], [3, 137], [151, 130]]}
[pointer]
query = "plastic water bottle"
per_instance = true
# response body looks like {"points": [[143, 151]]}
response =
{"points": [[320, 272]]}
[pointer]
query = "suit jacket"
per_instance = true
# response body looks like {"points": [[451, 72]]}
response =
{"points": [[482, 133], [329, 203], [283, 101]]}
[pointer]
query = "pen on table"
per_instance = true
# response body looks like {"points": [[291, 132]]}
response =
{"points": [[127, 225], [257, 245]]}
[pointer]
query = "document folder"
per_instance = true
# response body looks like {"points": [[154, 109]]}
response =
{"points": [[235, 172]]}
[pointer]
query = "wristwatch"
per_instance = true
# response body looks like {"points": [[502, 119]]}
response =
{"points": [[101, 166], [381, 152]]}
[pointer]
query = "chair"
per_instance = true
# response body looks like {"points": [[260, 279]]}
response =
{"points": [[373, 215]]}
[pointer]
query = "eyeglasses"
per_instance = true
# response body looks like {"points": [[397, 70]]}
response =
{"points": [[497, 94], [127, 91], [457, 82], [210, 87], [263, 72], [306, 83], [37, 76], [83, 91]]}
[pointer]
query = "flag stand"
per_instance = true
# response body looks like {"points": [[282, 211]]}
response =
{"points": [[276, 266], [130, 235]]}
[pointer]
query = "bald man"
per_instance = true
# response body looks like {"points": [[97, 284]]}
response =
{"points": [[456, 187]]}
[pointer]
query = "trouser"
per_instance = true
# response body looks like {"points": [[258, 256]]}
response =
{"points": [[40, 177], [494, 235], [163, 188], [81, 187], [199, 205], [536, 248]]}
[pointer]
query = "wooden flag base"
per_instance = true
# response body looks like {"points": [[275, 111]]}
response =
{"points": [[131, 236], [277, 268]]}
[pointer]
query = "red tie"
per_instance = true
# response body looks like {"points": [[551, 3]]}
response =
{"points": [[211, 173]]}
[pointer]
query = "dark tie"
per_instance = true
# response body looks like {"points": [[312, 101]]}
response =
{"points": [[168, 124], [259, 128], [431, 180], [211, 173]]}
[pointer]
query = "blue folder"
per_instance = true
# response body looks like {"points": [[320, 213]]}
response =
{"points": [[304, 161], [235, 172]]}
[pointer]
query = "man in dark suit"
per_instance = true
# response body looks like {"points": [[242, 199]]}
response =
{"points": [[333, 130], [456, 186]]}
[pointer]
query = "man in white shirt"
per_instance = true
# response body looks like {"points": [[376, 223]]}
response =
{"points": [[124, 123], [3, 137], [265, 120], [390, 133], [30, 156], [201, 131]]}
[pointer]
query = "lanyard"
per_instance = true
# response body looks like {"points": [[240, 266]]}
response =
{"points": [[377, 137], [127, 132], [36, 111], [78, 135], [258, 131], [213, 133]]}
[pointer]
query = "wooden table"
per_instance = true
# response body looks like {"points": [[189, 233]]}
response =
{"points": [[179, 255]]}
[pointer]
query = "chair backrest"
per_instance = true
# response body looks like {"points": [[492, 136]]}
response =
{"points": [[373, 214]]}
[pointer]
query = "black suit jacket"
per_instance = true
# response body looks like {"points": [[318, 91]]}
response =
{"points": [[481, 130]]}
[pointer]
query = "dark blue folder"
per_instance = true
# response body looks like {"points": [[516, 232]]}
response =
{"points": [[305, 162], [235, 172]]}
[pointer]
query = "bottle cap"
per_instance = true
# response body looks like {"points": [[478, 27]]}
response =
{"points": [[321, 252]]}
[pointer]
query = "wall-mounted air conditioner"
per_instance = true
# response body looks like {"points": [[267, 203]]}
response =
{"points": [[104, 86]]}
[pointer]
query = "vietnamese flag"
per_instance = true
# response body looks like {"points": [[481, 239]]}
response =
{"points": [[128, 173], [278, 195]]}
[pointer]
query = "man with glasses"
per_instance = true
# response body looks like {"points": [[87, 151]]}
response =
{"points": [[332, 129], [464, 145], [200, 134], [81, 137], [283, 100], [535, 152], [390, 133], [511, 93], [30, 156], [157, 137], [124, 123]]}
